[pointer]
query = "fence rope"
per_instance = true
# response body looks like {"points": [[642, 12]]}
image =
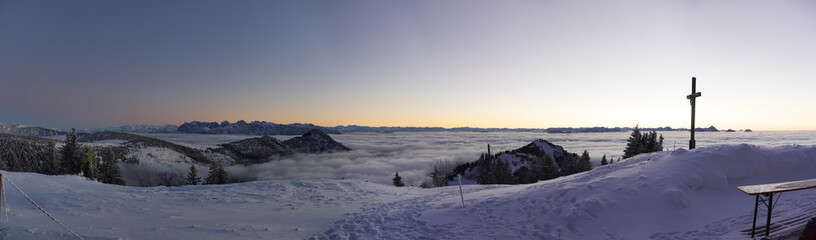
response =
{"points": [[3, 201], [41, 209]]}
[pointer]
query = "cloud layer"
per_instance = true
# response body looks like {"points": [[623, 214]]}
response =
{"points": [[376, 157]]}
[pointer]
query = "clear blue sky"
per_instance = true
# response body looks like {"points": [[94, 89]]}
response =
{"points": [[512, 64]]}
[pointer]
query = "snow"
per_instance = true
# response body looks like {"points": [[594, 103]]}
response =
{"points": [[157, 156], [676, 194], [109, 142]]}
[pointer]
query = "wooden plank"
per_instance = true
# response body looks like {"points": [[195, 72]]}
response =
{"points": [[778, 187]]}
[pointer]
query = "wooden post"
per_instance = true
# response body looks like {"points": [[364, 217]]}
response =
{"points": [[692, 97], [460, 190], [90, 161], [2, 197], [756, 206], [770, 208]]}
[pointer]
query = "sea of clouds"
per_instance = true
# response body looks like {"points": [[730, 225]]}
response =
{"points": [[375, 157]]}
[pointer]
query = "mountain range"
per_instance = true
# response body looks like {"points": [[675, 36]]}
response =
{"points": [[253, 128], [260, 128]]}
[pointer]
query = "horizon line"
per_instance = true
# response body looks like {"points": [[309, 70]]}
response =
{"points": [[439, 127]]}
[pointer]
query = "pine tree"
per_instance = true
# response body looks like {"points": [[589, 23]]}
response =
{"points": [[642, 143], [633, 144], [398, 180], [71, 156], [217, 175], [485, 165], [192, 176], [109, 170], [504, 174], [51, 165], [544, 169], [603, 160], [584, 164]]}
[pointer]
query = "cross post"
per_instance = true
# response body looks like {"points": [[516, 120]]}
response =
{"points": [[692, 97]]}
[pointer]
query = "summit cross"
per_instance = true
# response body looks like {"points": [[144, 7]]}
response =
{"points": [[693, 97]]}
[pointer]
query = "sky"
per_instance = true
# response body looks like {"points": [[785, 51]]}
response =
{"points": [[514, 64]]}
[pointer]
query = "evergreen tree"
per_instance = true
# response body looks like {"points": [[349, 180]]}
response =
{"points": [[546, 170], [524, 175], [633, 144], [584, 163], [109, 170], [192, 176], [217, 175], [51, 164], [71, 156], [603, 160], [503, 173], [485, 165], [398, 180], [642, 143]]}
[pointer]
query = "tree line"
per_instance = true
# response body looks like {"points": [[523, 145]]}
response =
{"points": [[34, 154]]}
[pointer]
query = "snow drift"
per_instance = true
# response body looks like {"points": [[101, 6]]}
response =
{"points": [[666, 195]]}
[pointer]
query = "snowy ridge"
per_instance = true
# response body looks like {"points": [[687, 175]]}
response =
{"points": [[25, 130]]}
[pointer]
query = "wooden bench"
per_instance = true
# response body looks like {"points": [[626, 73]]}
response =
{"points": [[765, 193]]}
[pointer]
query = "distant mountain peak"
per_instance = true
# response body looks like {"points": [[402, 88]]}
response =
{"points": [[261, 149], [315, 141], [540, 147]]}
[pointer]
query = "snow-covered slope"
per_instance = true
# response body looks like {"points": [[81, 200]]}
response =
{"points": [[290, 209], [667, 195]]}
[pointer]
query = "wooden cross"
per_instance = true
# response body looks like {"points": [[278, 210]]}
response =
{"points": [[692, 97]]}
